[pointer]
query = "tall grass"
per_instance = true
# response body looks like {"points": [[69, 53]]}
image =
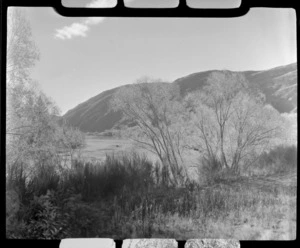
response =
{"points": [[129, 196]]}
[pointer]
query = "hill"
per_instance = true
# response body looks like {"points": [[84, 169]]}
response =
{"points": [[278, 84]]}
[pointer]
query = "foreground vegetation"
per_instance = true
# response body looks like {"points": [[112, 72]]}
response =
{"points": [[128, 197]]}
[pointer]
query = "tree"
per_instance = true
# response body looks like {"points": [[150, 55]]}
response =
{"points": [[22, 53], [21, 56], [33, 134], [33, 138], [230, 122], [289, 135], [72, 140], [158, 114]]}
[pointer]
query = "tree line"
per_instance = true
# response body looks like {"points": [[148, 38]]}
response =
{"points": [[227, 121]]}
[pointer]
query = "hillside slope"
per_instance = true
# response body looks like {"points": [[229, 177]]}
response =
{"points": [[278, 84], [94, 114]]}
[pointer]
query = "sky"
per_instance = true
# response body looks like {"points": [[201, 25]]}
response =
{"points": [[82, 57]]}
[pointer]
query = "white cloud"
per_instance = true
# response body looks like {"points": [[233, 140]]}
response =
{"points": [[81, 28], [75, 29]]}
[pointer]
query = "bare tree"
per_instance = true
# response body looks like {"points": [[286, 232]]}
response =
{"points": [[229, 121], [158, 115], [21, 56], [33, 135], [22, 53], [72, 140], [33, 138]]}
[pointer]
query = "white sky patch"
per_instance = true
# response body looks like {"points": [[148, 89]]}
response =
{"points": [[102, 4], [81, 28], [93, 20]]}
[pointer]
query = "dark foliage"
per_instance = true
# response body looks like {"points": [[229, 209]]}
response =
{"points": [[281, 159], [128, 196]]}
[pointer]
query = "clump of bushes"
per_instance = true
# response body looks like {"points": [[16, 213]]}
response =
{"points": [[281, 159], [46, 202], [44, 220], [40, 219], [127, 197], [211, 172], [109, 178], [83, 218]]}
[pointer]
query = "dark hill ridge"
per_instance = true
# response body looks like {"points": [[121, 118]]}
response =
{"points": [[93, 115], [278, 84]]}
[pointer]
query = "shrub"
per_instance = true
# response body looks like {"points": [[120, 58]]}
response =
{"points": [[126, 196], [83, 219], [45, 178], [102, 180], [12, 209], [281, 159], [209, 170], [44, 220]]}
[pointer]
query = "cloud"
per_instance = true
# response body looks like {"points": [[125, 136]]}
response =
{"points": [[75, 29], [81, 28]]}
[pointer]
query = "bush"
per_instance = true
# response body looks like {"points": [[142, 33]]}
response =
{"points": [[83, 219], [12, 209], [281, 159], [102, 180], [45, 178], [43, 219], [126, 196], [209, 170]]}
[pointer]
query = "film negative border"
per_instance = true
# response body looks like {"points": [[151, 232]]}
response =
{"points": [[149, 243], [120, 10], [182, 10]]}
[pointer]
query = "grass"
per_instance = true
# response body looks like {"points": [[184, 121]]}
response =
{"points": [[129, 197], [241, 213]]}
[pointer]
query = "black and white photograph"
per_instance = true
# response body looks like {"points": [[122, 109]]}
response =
{"points": [[156, 128]]}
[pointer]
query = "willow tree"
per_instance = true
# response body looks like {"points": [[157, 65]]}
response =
{"points": [[230, 124], [21, 57], [33, 135], [156, 110], [22, 52]]}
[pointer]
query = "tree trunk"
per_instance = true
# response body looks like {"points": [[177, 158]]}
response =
{"points": [[223, 157]]}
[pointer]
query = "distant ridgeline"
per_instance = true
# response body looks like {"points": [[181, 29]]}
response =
{"points": [[278, 84]]}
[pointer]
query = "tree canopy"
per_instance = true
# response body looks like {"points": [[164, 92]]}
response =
{"points": [[229, 121], [156, 109]]}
